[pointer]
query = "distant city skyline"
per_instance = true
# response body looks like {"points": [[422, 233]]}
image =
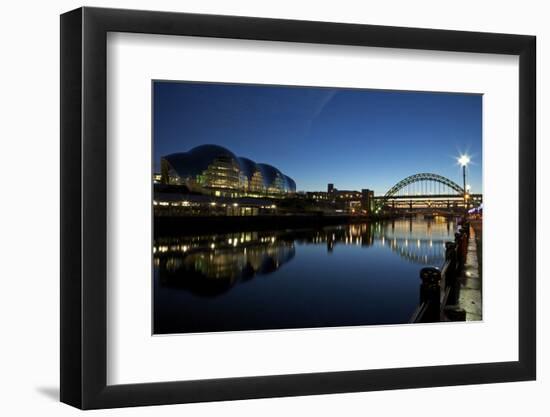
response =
{"points": [[353, 138]]}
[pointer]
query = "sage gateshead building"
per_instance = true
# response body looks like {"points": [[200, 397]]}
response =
{"points": [[216, 171]]}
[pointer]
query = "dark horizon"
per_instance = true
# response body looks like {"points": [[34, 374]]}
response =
{"points": [[315, 135]]}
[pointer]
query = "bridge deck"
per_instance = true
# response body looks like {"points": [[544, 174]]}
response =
{"points": [[428, 197]]}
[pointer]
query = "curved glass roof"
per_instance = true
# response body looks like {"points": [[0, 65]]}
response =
{"points": [[197, 160], [269, 173], [248, 167], [291, 184]]}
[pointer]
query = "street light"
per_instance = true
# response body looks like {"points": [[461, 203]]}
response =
{"points": [[464, 160]]}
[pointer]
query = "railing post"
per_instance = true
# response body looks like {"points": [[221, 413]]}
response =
{"points": [[462, 246], [430, 293], [466, 228], [451, 272]]}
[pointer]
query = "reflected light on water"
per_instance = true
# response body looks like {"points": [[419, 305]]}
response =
{"points": [[356, 274], [237, 257]]}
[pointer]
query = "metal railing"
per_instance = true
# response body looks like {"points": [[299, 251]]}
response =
{"points": [[440, 287]]}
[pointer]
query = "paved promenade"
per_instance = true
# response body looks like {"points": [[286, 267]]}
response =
{"points": [[470, 281]]}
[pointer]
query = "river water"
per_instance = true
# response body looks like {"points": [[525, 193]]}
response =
{"points": [[347, 275]]}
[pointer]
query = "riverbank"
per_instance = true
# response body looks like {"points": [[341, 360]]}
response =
{"points": [[186, 225]]}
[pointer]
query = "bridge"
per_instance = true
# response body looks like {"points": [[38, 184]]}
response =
{"points": [[429, 193]]}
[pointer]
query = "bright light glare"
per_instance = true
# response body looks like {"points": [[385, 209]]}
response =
{"points": [[464, 160]]}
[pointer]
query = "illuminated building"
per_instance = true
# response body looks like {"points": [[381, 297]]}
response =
{"points": [[214, 170], [352, 201], [367, 200]]}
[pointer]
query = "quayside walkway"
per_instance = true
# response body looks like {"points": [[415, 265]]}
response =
{"points": [[454, 291], [470, 281]]}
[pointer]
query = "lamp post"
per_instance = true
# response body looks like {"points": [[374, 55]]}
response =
{"points": [[464, 160]]}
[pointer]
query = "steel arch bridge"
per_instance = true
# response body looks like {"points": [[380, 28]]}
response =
{"points": [[426, 190], [427, 179]]}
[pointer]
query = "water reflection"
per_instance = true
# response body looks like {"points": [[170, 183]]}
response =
{"points": [[347, 275], [211, 265]]}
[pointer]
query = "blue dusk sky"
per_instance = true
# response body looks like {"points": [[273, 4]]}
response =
{"points": [[354, 138]]}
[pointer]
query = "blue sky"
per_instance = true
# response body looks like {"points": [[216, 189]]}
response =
{"points": [[354, 138]]}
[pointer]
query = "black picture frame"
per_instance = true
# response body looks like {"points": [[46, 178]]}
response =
{"points": [[84, 207]]}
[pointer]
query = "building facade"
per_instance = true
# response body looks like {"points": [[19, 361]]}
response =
{"points": [[215, 170], [352, 201]]}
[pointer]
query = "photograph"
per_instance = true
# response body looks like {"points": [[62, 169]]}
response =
{"points": [[305, 196], [293, 207]]}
